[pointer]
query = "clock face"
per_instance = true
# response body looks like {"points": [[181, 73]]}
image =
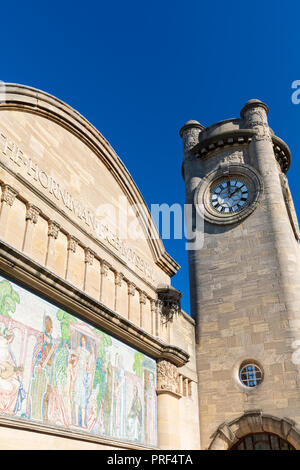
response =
{"points": [[229, 196]]}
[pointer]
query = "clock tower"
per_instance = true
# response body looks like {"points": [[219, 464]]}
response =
{"points": [[244, 281]]}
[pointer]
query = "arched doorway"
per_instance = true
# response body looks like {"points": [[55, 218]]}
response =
{"points": [[255, 430], [262, 441]]}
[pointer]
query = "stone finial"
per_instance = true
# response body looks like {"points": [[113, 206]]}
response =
{"points": [[190, 134], [32, 213], [167, 377], [254, 114], [8, 194], [254, 104]]}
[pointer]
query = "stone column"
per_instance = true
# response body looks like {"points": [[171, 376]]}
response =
{"points": [[53, 231], [118, 282], [32, 215], [261, 150], [7, 199], [167, 405], [88, 261]]}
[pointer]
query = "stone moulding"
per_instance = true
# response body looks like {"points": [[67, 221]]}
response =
{"points": [[8, 422], [31, 100], [241, 137], [254, 421], [36, 277]]}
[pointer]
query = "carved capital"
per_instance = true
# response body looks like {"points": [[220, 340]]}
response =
{"points": [[167, 377], [8, 194], [105, 266], [153, 304], [118, 278], [72, 244], [131, 288], [89, 256], [53, 229], [32, 213], [143, 297]]}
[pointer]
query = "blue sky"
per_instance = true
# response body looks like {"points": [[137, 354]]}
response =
{"points": [[139, 70]]}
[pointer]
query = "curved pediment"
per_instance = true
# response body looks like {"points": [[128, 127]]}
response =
{"points": [[56, 152]]}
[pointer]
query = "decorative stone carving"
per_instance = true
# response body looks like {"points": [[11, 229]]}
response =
{"points": [[53, 229], [32, 213], [72, 244], [118, 278], [168, 302], [190, 135], [167, 377], [255, 116], [131, 288], [143, 297], [105, 266], [8, 194], [89, 256]]}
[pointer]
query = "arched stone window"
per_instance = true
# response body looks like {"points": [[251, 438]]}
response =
{"points": [[262, 441], [257, 429]]}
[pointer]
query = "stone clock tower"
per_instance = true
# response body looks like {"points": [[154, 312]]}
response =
{"points": [[244, 282]]}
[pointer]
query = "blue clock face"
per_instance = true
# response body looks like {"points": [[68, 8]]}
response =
{"points": [[229, 196]]}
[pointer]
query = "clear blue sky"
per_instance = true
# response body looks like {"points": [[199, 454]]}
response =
{"points": [[139, 70]]}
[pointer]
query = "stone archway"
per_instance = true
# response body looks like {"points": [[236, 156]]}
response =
{"points": [[255, 421]]}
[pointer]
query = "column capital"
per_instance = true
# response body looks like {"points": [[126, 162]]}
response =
{"points": [[167, 377], [8, 194], [32, 213], [105, 267], [118, 278], [72, 243], [53, 229], [89, 256], [131, 288], [143, 297]]}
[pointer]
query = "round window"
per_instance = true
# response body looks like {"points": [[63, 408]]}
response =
{"points": [[251, 375]]}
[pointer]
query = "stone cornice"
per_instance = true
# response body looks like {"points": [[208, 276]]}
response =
{"points": [[27, 99], [241, 137], [42, 281], [15, 423]]}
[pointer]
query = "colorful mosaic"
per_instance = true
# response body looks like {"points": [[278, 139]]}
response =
{"points": [[57, 369]]}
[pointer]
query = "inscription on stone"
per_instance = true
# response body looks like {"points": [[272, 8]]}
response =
{"points": [[22, 164]]}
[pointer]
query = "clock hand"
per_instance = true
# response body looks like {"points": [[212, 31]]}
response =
{"points": [[236, 189]]}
